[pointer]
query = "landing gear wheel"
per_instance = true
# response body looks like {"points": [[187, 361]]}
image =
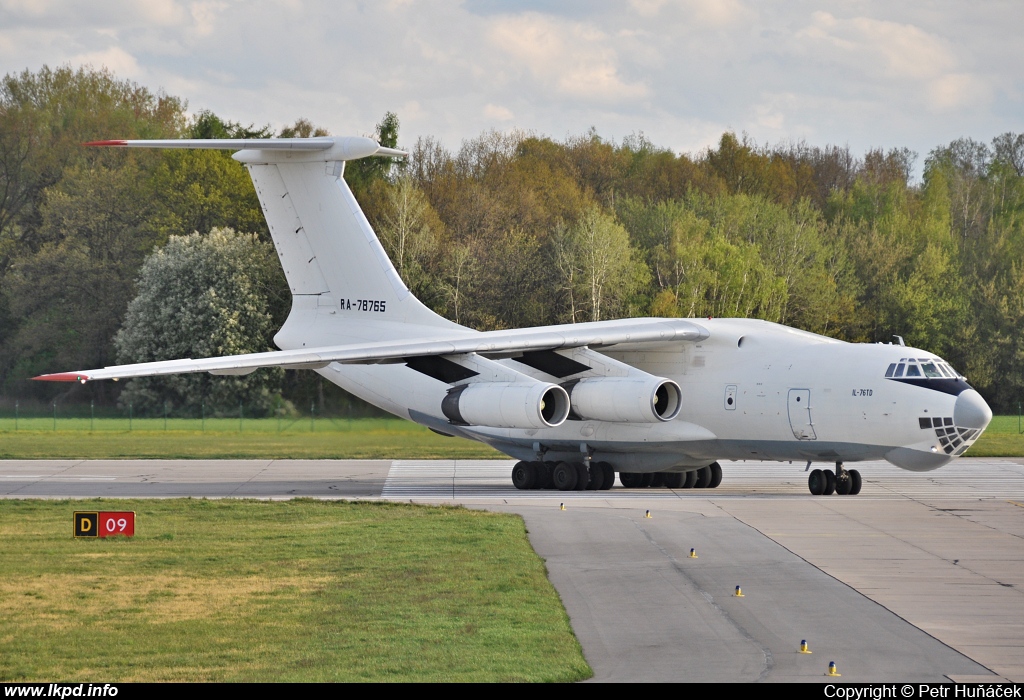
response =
{"points": [[830, 482], [674, 480], [583, 476], [657, 480], [816, 482], [690, 480], [703, 478], [631, 480], [596, 477], [855, 482], [647, 480], [565, 476], [843, 483], [609, 476], [716, 475], [524, 475]]}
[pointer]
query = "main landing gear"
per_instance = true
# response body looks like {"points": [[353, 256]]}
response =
{"points": [[600, 476], [564, 476], [708, 477], [823, 482]]}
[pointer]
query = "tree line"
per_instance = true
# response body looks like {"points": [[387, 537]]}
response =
{"points": [[510, 229]]}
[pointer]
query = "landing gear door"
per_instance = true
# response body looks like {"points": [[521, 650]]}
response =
{"points": [[800, 414]]}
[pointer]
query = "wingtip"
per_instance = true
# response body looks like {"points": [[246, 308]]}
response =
{"points": [[62, 377], [109, 142]]}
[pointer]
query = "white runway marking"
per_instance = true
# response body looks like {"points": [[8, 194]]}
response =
{"points": [[461, 479]]}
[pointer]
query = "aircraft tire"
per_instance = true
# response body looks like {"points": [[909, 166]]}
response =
{"points": [[544, 470], [830, 482], [716, 475], [631, 480], [524, 475], [657, 480], [690, 480], [646, 479], [596, 480], [609, 476], [565, 476], [674, 480], [855, 482], [844, 484], [583, 476], [816, 482], [703, 478]]}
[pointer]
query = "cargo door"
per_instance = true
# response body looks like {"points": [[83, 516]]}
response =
{"points": [[800, 419]]}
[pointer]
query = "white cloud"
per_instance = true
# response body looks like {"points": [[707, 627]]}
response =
{"points": [[498, 113], [204, 16], [120, 62], [569, 58], [958, 90], [902, 56]]}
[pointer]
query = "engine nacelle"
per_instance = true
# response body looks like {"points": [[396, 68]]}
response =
{"points": [[627, 399], [507, 405]]}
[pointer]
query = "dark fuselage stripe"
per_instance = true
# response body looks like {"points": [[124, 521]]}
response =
{"points": [[953, 387]]}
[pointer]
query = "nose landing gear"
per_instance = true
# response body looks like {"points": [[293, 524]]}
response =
{"points": [[822, 482]]}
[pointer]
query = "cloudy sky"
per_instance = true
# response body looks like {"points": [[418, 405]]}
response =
{"points": [[866, 73]]}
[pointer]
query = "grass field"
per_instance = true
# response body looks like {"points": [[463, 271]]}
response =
{"points": [[301, 590], [361, 438], [1002, 438]]}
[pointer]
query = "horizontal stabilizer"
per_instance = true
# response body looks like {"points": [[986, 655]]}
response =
{"points": [[598, 334], [331, 147]]}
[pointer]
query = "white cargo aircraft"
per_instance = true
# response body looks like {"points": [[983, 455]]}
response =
{"points": [[657, 400]]}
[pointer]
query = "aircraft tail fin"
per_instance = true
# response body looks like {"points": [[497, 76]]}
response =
{"points": [[333, 261]]}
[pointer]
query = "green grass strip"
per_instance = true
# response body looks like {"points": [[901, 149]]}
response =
{"points": [[303, 590], [362, 438], [368, 438]]}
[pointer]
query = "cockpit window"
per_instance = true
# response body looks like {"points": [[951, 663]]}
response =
{"points": [[936, 368]]}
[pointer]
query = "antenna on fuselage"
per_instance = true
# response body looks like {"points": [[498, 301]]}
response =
{"points": [[900, 338]]}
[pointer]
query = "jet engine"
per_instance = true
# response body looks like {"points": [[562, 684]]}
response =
{"points": [[634, 399], [507, 405]]}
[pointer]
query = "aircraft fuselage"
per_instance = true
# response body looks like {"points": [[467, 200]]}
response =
{"points": [[751, 390]]}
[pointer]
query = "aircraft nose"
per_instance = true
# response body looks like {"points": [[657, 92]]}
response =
{"points": [[971, 411]]}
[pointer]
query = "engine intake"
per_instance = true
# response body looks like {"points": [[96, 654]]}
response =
{"points": [[507, 405], [627, 399]]}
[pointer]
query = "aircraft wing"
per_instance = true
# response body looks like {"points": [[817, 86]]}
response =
{"points": [[506, 342]]}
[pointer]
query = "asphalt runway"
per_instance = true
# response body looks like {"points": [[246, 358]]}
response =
{"points": [[919, 578]]}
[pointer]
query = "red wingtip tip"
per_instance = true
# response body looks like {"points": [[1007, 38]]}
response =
{"points": [[114, 142], [61, 377]]}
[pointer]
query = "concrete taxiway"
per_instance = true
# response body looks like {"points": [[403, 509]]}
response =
{"points": [[919, 578]]}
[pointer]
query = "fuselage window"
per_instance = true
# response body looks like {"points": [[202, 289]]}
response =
{"points": [[892, 368], [913, 371], [899, 370]]}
